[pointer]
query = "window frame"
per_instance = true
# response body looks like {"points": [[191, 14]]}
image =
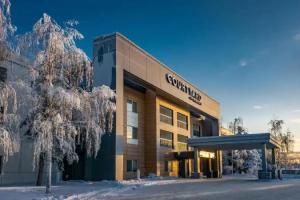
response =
{"points": [[163, 116], [131, 165], [132, 140], [199, 130], [132, 133], [185, 123], [180, 142], [134, 107], [166, 142]]}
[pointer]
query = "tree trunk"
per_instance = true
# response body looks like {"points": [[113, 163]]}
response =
{"points": [[49, 171], [40, 176]]}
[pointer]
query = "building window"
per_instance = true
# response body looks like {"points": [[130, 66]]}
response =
{"points": [[168, 166], [166, 139], [100, 54], [166, 115], [132, 122], [131, 165], [197, 130], [131, 106], [1, 165], [182, 142], [182, 121], [3, 74], [132, 135]]}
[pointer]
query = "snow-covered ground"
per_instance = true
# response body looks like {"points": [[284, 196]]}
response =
{"points": [[231, 187], [81, 189]]}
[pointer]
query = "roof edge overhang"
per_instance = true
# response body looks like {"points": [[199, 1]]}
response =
{"points": [[234, 142]]}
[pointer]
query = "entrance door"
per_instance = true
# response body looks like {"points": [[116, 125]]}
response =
{"points": [[205, 166], [75, 171], [181, 168]]}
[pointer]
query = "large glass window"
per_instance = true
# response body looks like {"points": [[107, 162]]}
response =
{"points": [[166, 139], [100, 54], [166, 115], [182, 142], [131, 165], [131, 106], [132, 132], [182, 121], [197, 130], [132, 122]]}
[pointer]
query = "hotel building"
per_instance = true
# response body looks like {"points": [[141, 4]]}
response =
{"points": [[163, 125], [157, 111]]}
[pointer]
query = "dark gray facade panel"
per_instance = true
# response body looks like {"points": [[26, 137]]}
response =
{"points": [[104, 58], [103, 166]]}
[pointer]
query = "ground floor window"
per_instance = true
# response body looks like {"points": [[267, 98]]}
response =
{"points": [[168, 166], [131, 165]]}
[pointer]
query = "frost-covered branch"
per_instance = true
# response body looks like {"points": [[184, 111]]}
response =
{"points": [[9, 137], [48, 42], [6, 29]]}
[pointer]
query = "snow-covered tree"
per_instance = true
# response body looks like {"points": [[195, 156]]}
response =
{"points": [[286, 140], [246, 161], [9, 120], [7, 29], [237, 126], [65, 113], [66, 109], [48, 43]]}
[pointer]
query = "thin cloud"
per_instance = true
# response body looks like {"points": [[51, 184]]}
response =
{"points": [[258, 107], [297, 37], [296, 111], [295, 120], [243, 63]]}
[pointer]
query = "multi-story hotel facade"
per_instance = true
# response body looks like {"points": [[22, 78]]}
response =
{"points": [[157, 111]]}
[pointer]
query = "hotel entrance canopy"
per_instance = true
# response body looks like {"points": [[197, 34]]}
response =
{"points": [[234, 142], [261, 141]]}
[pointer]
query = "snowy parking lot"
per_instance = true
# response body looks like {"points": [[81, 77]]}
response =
{"points": [[233, 188]]}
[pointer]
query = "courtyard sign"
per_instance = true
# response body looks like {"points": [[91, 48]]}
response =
{"points": [[193, 95]]}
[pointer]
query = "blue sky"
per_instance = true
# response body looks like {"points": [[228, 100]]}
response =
{"points": [[245, 54]]}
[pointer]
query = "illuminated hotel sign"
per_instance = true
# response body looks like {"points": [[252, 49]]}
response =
{"points": [[193, 95]]}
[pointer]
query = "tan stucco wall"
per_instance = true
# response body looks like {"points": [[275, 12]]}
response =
{"points": [[139, 63], [162, 152], [135, 151], [130, 58]]}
